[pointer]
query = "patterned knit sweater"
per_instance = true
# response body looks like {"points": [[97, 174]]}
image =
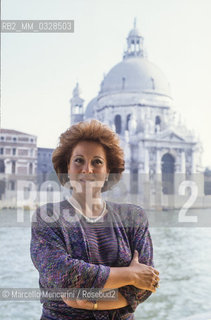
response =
{"points": [[62, 254]]}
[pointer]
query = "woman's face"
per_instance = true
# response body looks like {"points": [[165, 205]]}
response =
{"points": [[88, 166]]}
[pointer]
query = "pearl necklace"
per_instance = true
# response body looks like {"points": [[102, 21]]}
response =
{"points": [[92, 220]]}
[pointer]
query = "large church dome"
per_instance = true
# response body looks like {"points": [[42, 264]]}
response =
{"points": [[133, 80], [135, 74]]}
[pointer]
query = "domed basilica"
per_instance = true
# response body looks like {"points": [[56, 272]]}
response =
{"points": [[135, 101]]}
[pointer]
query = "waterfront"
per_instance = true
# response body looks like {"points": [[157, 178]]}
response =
{"points": [[182, 255]]}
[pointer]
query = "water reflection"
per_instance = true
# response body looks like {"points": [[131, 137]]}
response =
{"points": [[182, 255]]}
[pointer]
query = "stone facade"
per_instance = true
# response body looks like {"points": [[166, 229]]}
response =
{"points": [[18, 160], [135, 100], [44, 164]]}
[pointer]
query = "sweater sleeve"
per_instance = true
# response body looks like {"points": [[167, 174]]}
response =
{"points": [[141, 241], [57, 269]]}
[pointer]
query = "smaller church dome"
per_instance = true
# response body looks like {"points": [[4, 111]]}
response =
{"points": [[134, 33], [89, 113]]}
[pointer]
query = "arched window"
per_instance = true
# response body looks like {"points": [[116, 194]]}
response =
{"points": [[157, 120], [153, 83], [134, 180], [30, 168], [2, 166], [12, 185], [168, 168], [13, 166], [123, 82], [44, 171], [157, 124], [127, 121], [49, 188], [2, 188], [118, 123]]}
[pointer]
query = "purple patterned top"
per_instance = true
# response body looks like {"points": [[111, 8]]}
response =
{"points": [[102, 241], [61, 253]]}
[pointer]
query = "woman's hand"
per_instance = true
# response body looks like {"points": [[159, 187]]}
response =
{"points": [[144, 277]]}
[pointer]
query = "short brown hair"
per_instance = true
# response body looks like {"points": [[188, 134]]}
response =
{"points": [[96, 131]]}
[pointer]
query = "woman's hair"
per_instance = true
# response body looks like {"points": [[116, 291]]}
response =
{"points": [[96, 131]]}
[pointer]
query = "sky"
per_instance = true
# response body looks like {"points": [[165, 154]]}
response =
{"points": [[40, 70]]}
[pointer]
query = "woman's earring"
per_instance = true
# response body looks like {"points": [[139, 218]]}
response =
{"points": [[106, 178]]}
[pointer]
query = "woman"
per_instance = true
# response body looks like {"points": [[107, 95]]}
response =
{"points": [[86, 242]]}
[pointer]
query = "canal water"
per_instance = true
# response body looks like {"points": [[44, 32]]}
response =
{"points": [[181, 254]]}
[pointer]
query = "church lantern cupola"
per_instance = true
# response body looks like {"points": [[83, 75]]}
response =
{"points": [[76, 106], [134, 43]]}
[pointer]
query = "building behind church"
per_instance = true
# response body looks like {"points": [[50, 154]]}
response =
{"points": [[18, 161]]}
